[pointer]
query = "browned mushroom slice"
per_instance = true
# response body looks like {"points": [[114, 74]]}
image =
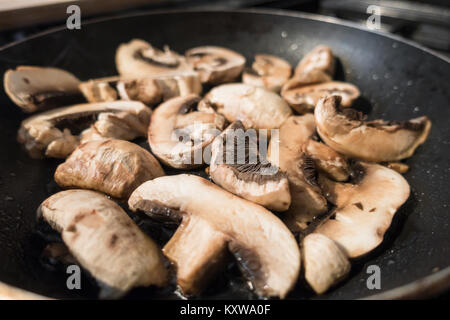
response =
{"points": [[148, 90], [300, 157], [38, 88], [365, 207], [179, 131], [305, 98], [137, 59], [268, 71], [105, 241], [320, 58], [114, 167], [100, 90], [325, 264], [237, 166], [214, 219], [215, 65], [397, 166], [55, 133], [256, 107], [346, 132]]}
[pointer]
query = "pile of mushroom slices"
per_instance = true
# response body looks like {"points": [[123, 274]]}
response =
{"points": [[332, 177]]}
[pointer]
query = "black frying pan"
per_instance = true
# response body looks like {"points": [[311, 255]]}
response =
{"points": [[398, 80]]}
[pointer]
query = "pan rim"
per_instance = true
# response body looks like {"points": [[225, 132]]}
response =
{"points": [[413, 289], [277, 12]]}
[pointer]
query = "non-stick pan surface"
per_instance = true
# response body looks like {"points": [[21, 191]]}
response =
{"points": [[397, 80]]}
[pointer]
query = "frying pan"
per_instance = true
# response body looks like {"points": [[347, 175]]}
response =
{"points": [[398, 80]]}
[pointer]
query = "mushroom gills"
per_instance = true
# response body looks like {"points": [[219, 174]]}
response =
{"points": [[301, 157], [114, 167], [38, 88], [215, 221], [253, 177], [99, 233], [347, 132]]}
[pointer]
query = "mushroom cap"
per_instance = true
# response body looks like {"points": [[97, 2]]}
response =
{"points": [[268, 71], [365, 208], [178, 134], [38, 88], [137, 59], [254, 180], [256, 107], [115, 167], [265, 248], [215, 65], [325, 264], [347, 133], [47, 132], [304, 98], [104, 240], [320, 58]]}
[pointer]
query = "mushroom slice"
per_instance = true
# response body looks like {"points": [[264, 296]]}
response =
{"points": [[293, 158], [346, 132], [256, 107], [105, 241], [247, 175], [215, 65], [138, 58], [305, 98], [180, 129], [55, 133], [39, 88], [114, 167], [214, 219], [365, 208], [268, 71], [148, 90], [325, 264], [320, 58]]}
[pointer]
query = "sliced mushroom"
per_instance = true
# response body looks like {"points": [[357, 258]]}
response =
{"points": [[237, 167], [346, 131], [215, 65], [364, 208], [180, 130], [148, 90], [38, 88], [114, 167], [212, 220], [138, 59], [294, 158], [256, 107], [320, 58], [325, 264], [397, 166], [55, 133], [105, 241], [304, 98], [268, 71]]}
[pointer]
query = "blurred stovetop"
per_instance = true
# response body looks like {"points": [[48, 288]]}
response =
{"points": [[424, 21]]}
